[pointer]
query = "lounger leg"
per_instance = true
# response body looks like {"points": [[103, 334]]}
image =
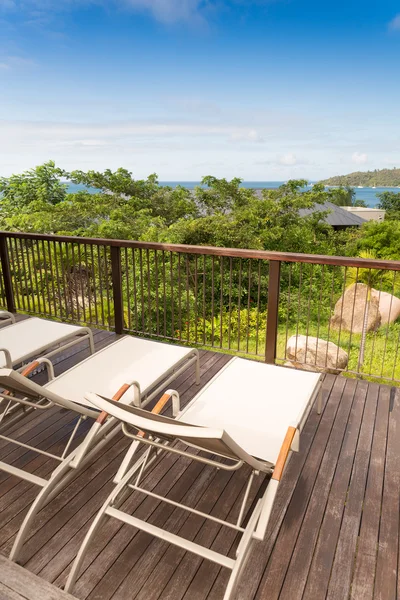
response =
{"points": [[72, 577], [40, 501], [91, 340], [114, 499], [242, 553]]}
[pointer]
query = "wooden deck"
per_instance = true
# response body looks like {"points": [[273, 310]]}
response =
{"points": [[334, 530]]}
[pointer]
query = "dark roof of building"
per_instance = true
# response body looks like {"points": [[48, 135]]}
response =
{"points": [[337, 216]]}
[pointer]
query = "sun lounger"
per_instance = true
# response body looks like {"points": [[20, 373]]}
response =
{"points": [[6, 318], [249, 414], [130, 369], [27, 339]]}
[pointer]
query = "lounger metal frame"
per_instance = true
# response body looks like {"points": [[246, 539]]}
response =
{"points": [[61, 344], [216, 444], [35, 397], [6, 318]]}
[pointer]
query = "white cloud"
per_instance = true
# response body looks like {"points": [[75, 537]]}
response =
{"points": [[359, 158], [288, 159], [165, 11], [394, 24], [169, 11], [242, 135], [13, 62]]}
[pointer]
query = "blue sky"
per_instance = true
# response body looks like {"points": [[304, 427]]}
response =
{"points": [[261, 89]]}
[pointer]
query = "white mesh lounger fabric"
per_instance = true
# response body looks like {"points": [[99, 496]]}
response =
{"points": [[131, 370], [29, 338], [249, 414]]}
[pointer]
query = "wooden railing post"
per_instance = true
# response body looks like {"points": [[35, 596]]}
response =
{"points": [[272, 311], [7, 280], [117, 288]]}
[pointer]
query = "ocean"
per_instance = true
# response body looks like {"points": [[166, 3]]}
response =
{"points": [[369, 195]]}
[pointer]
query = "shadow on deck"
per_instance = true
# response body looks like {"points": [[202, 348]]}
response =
{"points": [[334, 531]]}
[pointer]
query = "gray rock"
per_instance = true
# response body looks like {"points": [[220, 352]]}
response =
{"points": [[315, 354], [351, 308]]}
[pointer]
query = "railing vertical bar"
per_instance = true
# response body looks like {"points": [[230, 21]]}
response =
{"points": [[149, 328], [141, 286], [230, 303], [157, 284], [298, 309], [7, 277], [375, 332], [388, 324], [319, 307], [46, 279], [171, 280], [23, 253], [289, 265], [212, 300], [128, 290], [96, 307], [164, 296], [271, 337], [258, 302], [16, 266], [30, 261], [204, 299], [82, 283], [116, 277], [187, 298], [89, 282], [341, 310], [396, 354], [179, 296], [352, 313], [53, 288], [107, 286], [65, 294], [308, 311], [239, 301], [195, 298], [248, 306], [35, 263], [100, 286], [221, 299], [74, 276], [135, 293]]}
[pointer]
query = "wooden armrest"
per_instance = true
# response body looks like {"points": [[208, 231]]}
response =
{"points": [[103, 415], [158, 408], [283, 454]]}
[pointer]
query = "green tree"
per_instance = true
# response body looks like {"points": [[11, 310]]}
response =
{"points": [[390, 201], [38, 187]]}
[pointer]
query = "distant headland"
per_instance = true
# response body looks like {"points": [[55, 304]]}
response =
{"points": [[377, 178]]}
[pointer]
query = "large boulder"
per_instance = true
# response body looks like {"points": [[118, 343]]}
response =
{"points": [[314, 354], [389, 306], [350, 310]]}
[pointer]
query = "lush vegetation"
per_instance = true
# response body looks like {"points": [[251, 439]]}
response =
{"points": [[219, 302], [377, 178]]}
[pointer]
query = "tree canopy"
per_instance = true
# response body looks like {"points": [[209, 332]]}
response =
{"points": [[219, 212]]}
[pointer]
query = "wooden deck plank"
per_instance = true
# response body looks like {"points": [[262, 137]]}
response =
{"points": [[387, 562], [279, 560], [258, 559], [352, 502], [365, 561], [334, 475], [17, 583]]}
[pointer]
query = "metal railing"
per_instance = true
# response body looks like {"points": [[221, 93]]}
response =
{"points": [[309, 311]]}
